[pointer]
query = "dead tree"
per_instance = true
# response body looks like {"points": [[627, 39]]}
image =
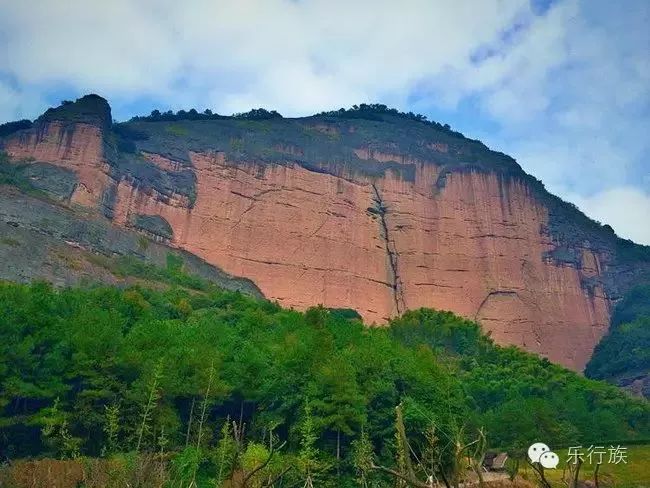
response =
{"points": [[539, 470], [430, 462]]}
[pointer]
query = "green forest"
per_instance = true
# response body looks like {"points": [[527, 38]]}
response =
{"points": [[227, 390], [625, 351]]}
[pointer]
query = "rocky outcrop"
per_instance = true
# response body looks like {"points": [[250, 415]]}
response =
{"points": [[314, 213], [77, 147], [45, 240]]}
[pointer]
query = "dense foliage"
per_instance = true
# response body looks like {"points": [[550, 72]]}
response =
{"points": [[89, 109], [11, 127], [635, 304], [169, 115], [101, 370], [258, 114], [207, 114], [377, 111], [625, 350], [373, 111]]}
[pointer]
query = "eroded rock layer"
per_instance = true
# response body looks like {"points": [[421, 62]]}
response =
{"points": [[409, 232]]}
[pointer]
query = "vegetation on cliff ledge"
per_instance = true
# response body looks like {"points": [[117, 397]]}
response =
{"points": [[623, 355], [222, 386], [9, 128], [89, 109]]}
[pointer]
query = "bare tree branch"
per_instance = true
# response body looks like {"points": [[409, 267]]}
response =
{"points": [[275, 480], [261, 466]]}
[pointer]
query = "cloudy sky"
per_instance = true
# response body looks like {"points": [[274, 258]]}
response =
{"points": [[561, 85]]}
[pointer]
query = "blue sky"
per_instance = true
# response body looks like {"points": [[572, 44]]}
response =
{"points": [[563, 85]]}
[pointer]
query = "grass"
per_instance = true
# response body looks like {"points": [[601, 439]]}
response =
{"points": [[258, 125], [173, 274], [72, 262], [633, 474], [177, 130]]}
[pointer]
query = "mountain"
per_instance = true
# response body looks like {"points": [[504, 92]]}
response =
{"points": [[366, 209]]}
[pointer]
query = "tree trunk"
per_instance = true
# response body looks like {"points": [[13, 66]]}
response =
{"points": [[189, 423], [338, 453]]}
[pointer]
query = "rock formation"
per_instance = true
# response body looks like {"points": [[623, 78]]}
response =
{"points": [[373, 211]]}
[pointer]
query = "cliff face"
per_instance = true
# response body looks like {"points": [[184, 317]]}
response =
{"points": [[379, 216], [78, 147]]}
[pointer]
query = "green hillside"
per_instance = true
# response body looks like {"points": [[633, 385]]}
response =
{"points": [[119, 373]]}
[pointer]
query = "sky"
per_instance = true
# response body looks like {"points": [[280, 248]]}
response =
{"points": [[563, 86]]}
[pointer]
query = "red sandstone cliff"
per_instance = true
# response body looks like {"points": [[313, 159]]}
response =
{"points": [[478, 245]]}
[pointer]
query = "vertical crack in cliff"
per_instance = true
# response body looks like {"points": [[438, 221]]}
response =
{"points": [[395, 280]]}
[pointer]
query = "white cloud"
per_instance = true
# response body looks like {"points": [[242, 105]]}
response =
{"points": [[9, 102], [515, 83], [117, 46], [581, 123], [298, 56], [629, 207], [569, 91], [15, 104]]}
